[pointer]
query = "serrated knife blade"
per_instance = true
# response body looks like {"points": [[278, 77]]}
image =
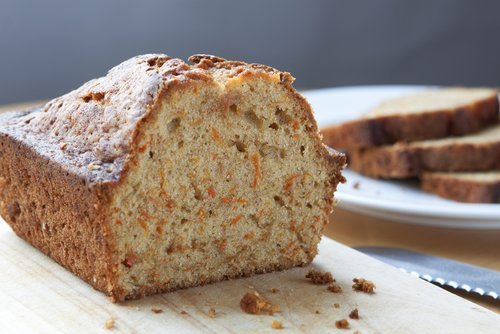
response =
{"points": [[438, 270]]}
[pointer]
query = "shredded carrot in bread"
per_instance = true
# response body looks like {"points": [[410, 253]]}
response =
{"points": [[235, 220], [159, 229], [294, 251], [169, 203], [221, 244], [255, 161], [228, 199], [289, 182], [290, 244], [216, 136], [211, 192], [143, 225], [144, 214], [296, 136], [295, 124], [249, 235]]}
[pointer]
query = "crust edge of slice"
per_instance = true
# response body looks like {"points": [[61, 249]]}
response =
{"points": [[404, 160], [462, 189]]}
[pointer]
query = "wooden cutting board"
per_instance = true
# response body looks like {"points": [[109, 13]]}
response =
{"points": [[38, 295]]}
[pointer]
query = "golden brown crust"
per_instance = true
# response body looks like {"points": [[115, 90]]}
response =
{"points": [[461, 190], [404, 160], [55, 210], [384, 130]]}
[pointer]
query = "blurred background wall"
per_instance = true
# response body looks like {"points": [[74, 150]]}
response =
{"points": [[49, 47]]}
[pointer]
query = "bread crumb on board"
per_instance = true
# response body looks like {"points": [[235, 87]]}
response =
{"points": [[156, 310], [319, 277], [254, 303], [336, 305], [274, 290], [342, 324], [334, 287], [275, 324], [354, 314], [109, 324], [364, 285], [212, 313]]}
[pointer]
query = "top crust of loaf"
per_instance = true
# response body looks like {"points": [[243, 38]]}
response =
{"points": [[91, 130], [444, 112]]}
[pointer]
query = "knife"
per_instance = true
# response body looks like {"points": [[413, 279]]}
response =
{"points": [[438, 270]]}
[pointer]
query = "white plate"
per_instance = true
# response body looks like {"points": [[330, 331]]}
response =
{"points": [[400, 201]]}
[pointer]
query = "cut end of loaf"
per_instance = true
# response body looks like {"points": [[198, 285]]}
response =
{"points": [[229, 180]]}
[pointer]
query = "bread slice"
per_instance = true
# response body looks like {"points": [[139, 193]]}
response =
{"points": [[164, 175], [475, 152], [432, 114], [472, 187]]}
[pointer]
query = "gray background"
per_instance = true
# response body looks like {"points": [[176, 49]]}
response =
{"points": [[50, 47]]}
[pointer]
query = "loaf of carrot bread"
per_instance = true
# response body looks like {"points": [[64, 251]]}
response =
{"points": [[432, 114], [474, 187], [164, 175], [475, 152]]}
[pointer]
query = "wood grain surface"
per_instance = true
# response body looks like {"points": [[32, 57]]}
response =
{"points": [[38, 295]]}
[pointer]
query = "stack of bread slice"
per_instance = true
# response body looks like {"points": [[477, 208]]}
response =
{"points": [[449, 138]]}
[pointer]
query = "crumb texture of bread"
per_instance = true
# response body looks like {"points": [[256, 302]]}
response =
{"points": [[475, 152], [432, 114], [320, 277], [363, 285], [342, 324], [474, 187], [254, 303], [163, 175]]}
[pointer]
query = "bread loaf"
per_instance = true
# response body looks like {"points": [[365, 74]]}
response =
{"points": [[164, 175]]}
